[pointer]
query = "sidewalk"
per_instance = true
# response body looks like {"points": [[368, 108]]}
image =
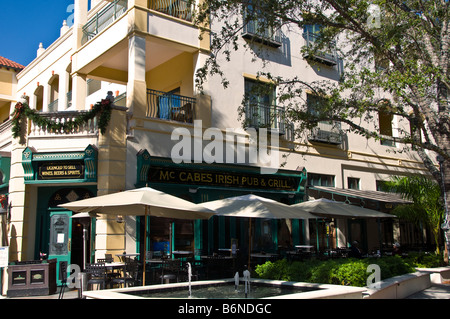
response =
{"points": [[436, 291]]}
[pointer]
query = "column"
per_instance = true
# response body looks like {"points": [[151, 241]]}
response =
{"points": [[79, 91], [79, 20], [62, 96], [112, 155], [137, 86]]}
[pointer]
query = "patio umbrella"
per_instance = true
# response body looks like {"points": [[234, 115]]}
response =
{"points": [[141, 202], [253, 206], [328, 207]]}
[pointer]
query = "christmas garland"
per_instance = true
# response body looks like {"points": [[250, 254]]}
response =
{"points": [[101, 109]]}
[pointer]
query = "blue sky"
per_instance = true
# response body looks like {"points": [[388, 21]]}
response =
{"points": [[26, 23]]}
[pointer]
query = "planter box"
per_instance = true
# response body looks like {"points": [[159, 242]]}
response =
{"points": [[400, 287], [32, 278]]}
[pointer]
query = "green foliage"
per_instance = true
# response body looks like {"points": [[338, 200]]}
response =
{"points": [[344, 271], [426, 208], [421, 260]]}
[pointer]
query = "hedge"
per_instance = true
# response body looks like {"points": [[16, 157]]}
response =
{"points": [[343, 271]]}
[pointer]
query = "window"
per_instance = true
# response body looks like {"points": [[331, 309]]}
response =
{"points": [[320, 180], [326, 131], [381, 186], [261, 111], [385, 127], [353, 183], [256, 27], [327, 54]]}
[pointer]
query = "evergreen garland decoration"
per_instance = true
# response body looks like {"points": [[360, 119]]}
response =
{"points": [[101, 109]]}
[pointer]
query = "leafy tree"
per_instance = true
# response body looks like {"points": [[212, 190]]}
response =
{"points": [[426, 208], [410, 38]]}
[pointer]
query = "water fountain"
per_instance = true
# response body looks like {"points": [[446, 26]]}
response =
{"points": [[189, 267], [247, 282]]}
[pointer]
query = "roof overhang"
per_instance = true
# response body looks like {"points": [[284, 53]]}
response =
{"points": [[381, 201]]}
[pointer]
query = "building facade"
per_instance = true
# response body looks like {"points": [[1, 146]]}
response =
{"points": [[144, 56]]}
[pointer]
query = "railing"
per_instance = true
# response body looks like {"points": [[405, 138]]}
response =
{"points": [[90, 128], [259, 115], [327, 132], [254, 30], [103, 19], [171, 107], [327, 55], [69, 99], [175, 8], [53, 106]]}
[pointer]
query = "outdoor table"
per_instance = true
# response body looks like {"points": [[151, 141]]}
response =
{"points": [[114, 265], [264, 256], [123, 256], [304, 247], [182, 253]]}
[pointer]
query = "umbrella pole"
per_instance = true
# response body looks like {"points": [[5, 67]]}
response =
{"points": [[250, 241], [145, 246]]}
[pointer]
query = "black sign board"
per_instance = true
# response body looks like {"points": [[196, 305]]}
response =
{"points": [[222, 179], [60, 170]]}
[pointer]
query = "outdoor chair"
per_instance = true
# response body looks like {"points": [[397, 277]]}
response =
{"points": [[170, 271], [130, 275], [96, 274], [109, 258]]}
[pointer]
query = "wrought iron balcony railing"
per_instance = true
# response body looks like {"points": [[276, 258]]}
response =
{"points": [[326, 55], [259, 115], [103, 19], [169, 106], [327, 132], [254, 30]]}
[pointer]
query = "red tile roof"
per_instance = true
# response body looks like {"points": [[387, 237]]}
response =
{"points": [[10, 64]]}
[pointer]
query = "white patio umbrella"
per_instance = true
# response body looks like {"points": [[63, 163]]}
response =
{"points": [[253, 206], [141, 202], [328, 207]]}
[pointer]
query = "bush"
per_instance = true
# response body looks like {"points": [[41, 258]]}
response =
{"points": [[425, 260], [344, 271]]}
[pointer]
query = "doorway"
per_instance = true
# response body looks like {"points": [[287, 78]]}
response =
{"points": [[57, 234]]}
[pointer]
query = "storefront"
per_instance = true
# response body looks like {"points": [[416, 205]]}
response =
{"points": [[201, 182], [53, 179]]}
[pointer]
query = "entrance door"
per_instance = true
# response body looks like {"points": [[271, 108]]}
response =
{"points": [[60, 240], [357, 231]]}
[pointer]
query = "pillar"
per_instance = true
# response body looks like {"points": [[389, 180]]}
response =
{"points": [[79, 20], [79, 91], [112, 155], [137, 86]]}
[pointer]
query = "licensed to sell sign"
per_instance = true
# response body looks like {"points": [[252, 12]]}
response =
{"points": [[52, 171]]}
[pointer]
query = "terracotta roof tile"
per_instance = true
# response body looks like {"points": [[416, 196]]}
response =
{"points": [[10, 64]]}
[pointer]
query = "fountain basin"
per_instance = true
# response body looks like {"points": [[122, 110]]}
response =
{"points": [[225, 289]]}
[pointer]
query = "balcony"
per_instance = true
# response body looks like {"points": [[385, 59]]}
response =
{"points": [[326, 132], [179, 8], [252, 31], [103, 19], [171, 107], [259, 115], [326, 55], [90, 128]]}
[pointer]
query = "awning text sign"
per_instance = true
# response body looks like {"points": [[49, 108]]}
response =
{"points": [[222, 179]]}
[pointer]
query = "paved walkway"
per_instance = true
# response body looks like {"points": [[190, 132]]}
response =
{"points": [[437, 291]]}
